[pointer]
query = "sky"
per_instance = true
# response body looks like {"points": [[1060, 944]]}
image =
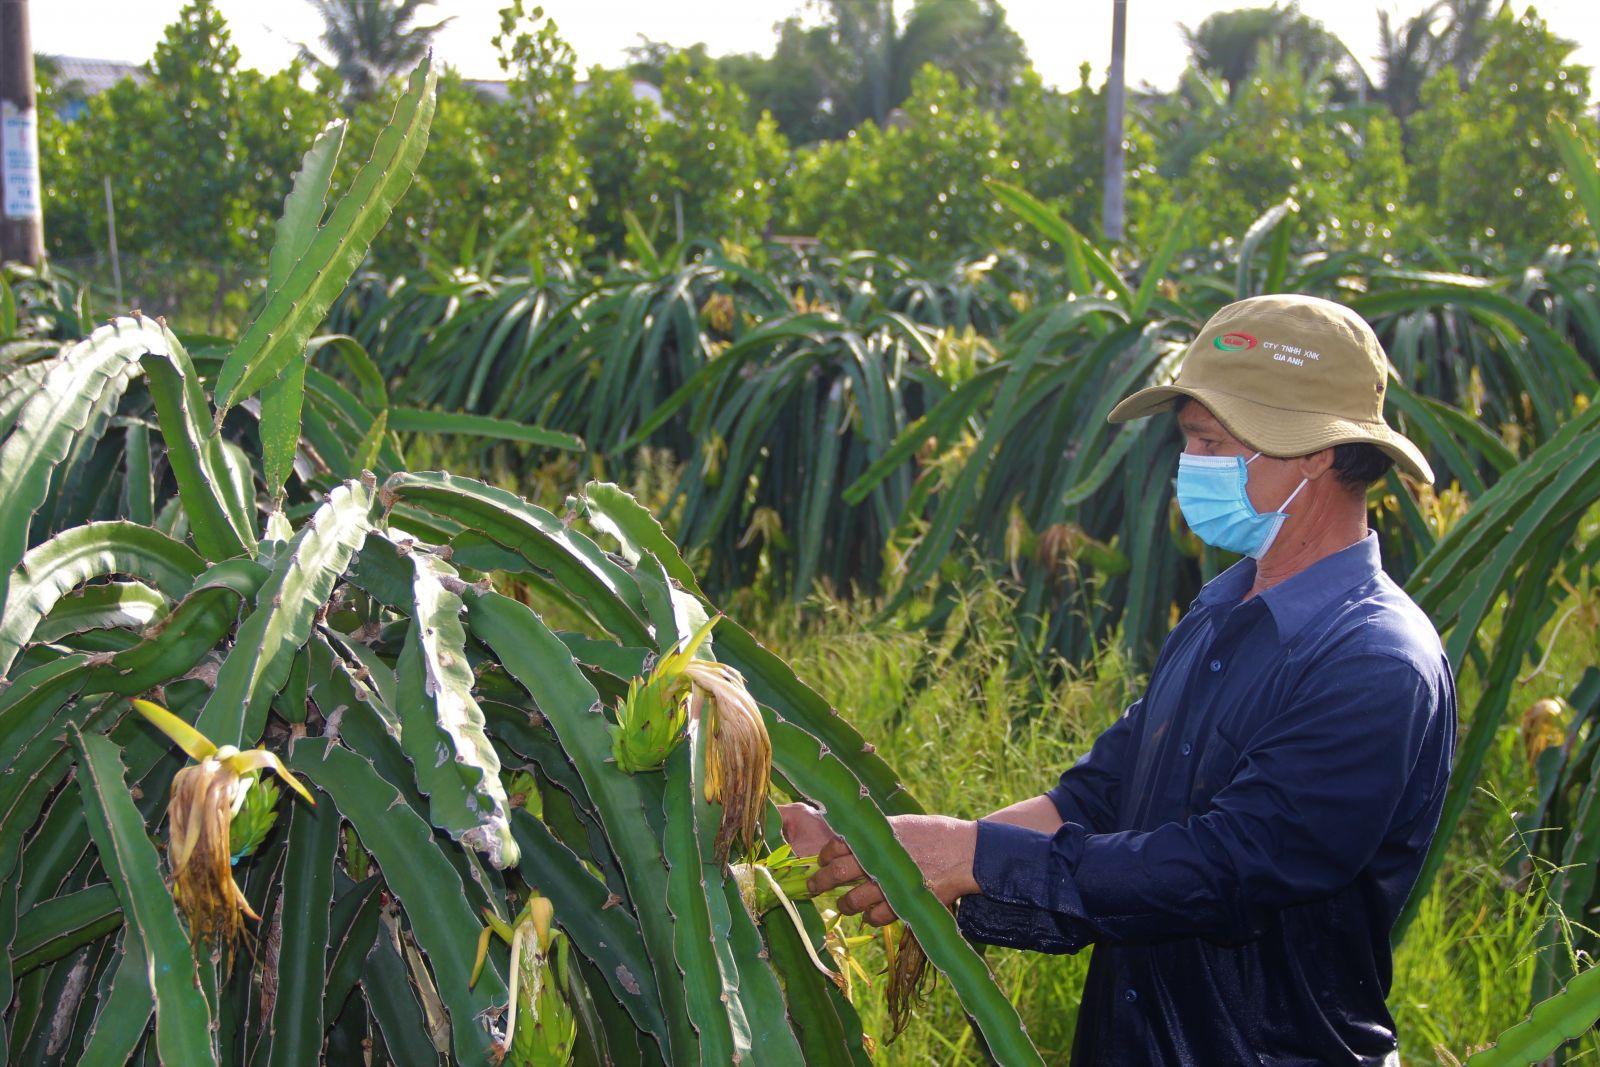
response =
{"points": [[1060, 35]]}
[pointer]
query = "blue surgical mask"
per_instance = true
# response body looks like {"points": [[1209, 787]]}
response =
{"points": [[1211, 493]]}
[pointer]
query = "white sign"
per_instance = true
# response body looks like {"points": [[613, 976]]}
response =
{"points": [[19, 161]]}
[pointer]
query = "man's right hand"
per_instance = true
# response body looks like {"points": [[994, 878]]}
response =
{"points": [[805, 829]]}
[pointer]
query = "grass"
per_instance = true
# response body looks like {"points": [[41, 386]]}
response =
{"points": [[969, 735]]}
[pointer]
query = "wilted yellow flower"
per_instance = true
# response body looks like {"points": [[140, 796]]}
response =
{"points": [[738, 751], [205, 798], [651, 721]]}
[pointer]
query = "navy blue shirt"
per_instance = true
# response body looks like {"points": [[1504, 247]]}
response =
{"points": [[1238, 845]]}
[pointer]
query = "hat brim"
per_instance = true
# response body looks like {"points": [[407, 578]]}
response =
{"points": [[1277, 431]]}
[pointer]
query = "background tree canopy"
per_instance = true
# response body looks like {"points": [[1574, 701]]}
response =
{"points": [[861, 129]]}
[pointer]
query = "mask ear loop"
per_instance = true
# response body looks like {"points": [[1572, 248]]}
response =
{"points": [[1303, 483]]}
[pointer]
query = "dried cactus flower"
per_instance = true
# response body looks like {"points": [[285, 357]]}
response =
{"points": [[1542, 726], [205, 798], [679, 693], [910, 977], [738, 751]]}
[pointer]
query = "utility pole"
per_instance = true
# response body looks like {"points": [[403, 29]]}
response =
{"points": [[21, 200], [1112, 209]]}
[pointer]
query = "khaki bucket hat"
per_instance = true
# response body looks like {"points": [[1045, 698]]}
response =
{"points": [[1287, 375]]}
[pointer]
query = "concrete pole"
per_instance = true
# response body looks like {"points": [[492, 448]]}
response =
{"points": [[1113, 211], [21, 199]]}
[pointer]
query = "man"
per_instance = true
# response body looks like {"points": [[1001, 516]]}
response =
{"points": [[1238, 845]]}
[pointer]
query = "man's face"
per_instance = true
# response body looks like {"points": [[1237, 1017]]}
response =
{"points": [[1270, 480]]}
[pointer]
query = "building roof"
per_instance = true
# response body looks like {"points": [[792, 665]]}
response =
{"points": [[501, 90], [93, 76]]}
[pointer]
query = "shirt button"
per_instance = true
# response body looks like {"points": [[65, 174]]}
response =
{"points": [[1216, 665], [1187, 748], [1130, 996]]}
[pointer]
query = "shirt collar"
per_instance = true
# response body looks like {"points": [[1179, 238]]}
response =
{"points": [[1296, 601]]}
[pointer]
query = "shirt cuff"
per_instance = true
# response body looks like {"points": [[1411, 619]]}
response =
{"points": [[991, 922], [1016, 865]]}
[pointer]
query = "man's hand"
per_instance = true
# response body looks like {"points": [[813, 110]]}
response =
{"points": [[941, 847], [805, 829]]}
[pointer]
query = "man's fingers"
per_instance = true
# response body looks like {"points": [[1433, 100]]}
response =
{"points": [[834, 849], [842, 871], [880, 914], [861, 899]]}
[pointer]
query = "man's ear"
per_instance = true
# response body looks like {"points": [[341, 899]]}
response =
{"points": [[1315, 464]]}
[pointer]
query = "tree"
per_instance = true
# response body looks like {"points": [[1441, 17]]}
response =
{"points": [[823, 81], [700, 154], [1230, 44], [915, 188], [1449, 33], [368, 42], [615, 132], [540, 152], [719, 167], [1484, 167], [1282, 137], [199, 159], [1050, 140], [1407, 57]]}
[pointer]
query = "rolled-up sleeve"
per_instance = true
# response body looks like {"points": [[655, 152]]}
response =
{"points": [[1090, 789], [1305, 809]]}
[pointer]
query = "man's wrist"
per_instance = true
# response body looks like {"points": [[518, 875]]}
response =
{"points": [[968, 881]]}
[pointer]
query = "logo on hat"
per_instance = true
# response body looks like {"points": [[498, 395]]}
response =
{"points": [[1234, 342]]}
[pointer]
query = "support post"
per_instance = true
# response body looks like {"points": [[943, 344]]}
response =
{"points": [[21, 199], [1112, 209]]}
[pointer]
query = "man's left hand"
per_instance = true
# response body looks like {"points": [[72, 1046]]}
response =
{"points": [[941, 847]]}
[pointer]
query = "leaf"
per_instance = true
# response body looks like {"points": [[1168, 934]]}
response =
{"points": [[61, 924], [1581, 171], [183, 1019], [53, 415], [303, 208], [708, 993], [106, 606], [819, 776], [392, 998], [51, 570], [418, 420], [442, 727], [280, 331], [192, 629], [1280, 215], [1563, 1017], [599, 586], [301, 580], [298, 1019], [220, 516], [124, 1014], [417, 873], [281, 399], [541, 664], [606, 934], [1155, 268]]}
